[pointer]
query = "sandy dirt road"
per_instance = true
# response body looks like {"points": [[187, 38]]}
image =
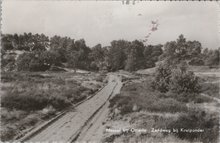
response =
{"points": [[68, 127], [95, 128]]}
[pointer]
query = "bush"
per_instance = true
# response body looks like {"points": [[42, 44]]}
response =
{"points": [[176, 79], [162, 78], [184, 82], [123, 103], [126, 109], [100, 78], [58, 102], [76, 94]]}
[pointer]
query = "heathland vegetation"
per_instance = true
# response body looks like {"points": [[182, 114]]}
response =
{"points": [[33, 91], [30, 98], [168, 100], [140, 106]]}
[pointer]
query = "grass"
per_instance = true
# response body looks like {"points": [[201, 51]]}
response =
{"points": [[188, 97], [212, 89], [197, 119], [167, 105], [142, 96], [163, 111], [34, 91], [15, 122], [32, 97], [10, 115]]}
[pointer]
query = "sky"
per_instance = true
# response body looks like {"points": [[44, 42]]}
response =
{"points": [[104, 21]]}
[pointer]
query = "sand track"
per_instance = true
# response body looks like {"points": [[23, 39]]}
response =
{"points": [[69, 126]]}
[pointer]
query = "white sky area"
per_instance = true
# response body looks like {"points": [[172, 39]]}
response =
{"points": [[104, 21]]}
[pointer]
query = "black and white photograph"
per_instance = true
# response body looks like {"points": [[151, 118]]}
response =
{"points": [[110, 71]]}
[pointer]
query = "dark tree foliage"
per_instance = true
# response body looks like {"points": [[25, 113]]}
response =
{"points": [[120, 55], [26, 42], [211, 57], [151, 55], [184, 82], [176, 81], [132, 56], [117, 54], [181, 50], [73, 59], [83, 54], [7, 42], [61, 45], [135, 58], [37, 61], [97, 56], [162, 77]]}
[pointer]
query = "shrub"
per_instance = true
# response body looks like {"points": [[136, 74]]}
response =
{"points": [[126, 109], [124, 103], [76, 94], [162, 78], [100, 78], [184, 82], [30, 120], [113, 101], [58, 102], [176, 79]]}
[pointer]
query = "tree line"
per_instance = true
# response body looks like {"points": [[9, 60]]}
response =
{"points": [[40, 53]]}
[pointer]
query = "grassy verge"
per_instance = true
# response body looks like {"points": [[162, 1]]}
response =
{"points": [[140, 96]]}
